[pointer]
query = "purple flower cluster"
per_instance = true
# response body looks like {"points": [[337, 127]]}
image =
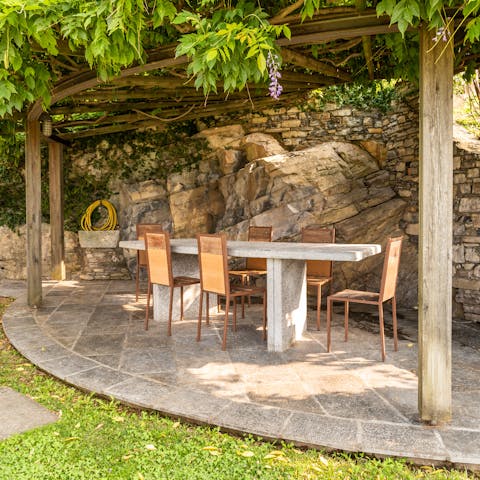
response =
{"points": [[441, 33], [273, 65]]}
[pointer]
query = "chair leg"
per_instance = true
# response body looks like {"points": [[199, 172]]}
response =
{"points": [[244, 278], [218, 304], [382, 331], [208, 308], [225, 323], [199, 323], [235, 314], [319, 305], [148, 305], [181, 303], [394, 320], [345, 321], [329, 323], [170, 308], [137, 278], [247, 282], [264, 316]]}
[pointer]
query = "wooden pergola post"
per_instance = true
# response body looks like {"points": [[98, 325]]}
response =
{"points": [[33, 183], [55, 165], [435, 248]]}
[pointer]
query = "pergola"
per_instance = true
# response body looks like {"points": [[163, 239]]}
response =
{"points": [[158, 92]]}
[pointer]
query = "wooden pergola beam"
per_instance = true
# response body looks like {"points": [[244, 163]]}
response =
{"points": [[435, 238], [303, 61], [79, 83], [330, 36], [33, 199], [199, 112], [361, 5], [55, 171]]}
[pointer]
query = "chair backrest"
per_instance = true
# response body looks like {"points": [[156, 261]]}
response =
{"points": [[159, 258], [390, 268], [143, 228], [258, 234], [319, 268], [212, 259]]}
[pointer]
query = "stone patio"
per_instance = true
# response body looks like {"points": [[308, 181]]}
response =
{"points": [[90, 334]]}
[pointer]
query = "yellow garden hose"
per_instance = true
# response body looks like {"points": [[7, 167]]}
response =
{"points": [[110, 223]]}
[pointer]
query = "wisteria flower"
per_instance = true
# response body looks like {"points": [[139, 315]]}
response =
{"points": [[273, 64], [441, 34]]}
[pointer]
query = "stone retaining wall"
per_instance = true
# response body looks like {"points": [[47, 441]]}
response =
{"points": [[391, 139]]}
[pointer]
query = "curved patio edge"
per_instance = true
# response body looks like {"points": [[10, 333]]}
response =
{"points": [[416, 443]]}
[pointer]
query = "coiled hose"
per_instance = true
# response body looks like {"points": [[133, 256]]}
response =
{"points": [[110, 223]]}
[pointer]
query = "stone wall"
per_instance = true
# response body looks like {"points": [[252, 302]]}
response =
{"points": [[13, 258], [466, 227], [235, 184]]}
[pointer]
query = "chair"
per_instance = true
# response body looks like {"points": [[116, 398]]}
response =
{"points": [[387, 292], [319, 272], [142, 228], [159, 263], [213, 264], [254, 267]]}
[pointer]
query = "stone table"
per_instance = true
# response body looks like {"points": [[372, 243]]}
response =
{"points": [[286, 278]]}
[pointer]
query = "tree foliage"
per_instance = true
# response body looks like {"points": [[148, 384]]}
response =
{"points": [[226, 41], [437, 14]]}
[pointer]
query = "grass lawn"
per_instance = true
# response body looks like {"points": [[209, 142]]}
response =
{"points": [[101, 439]]}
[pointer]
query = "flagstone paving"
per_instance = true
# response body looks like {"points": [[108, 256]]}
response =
{"points": [[18, 413], [90, 334]]}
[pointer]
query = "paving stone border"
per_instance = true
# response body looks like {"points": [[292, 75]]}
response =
{"points": [[27, 330]]}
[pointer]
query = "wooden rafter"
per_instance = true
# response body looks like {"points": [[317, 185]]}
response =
{"points": [[361, 5], [300, 60]]}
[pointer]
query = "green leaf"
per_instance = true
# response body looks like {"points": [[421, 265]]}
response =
{"points": [[252, 51], [211, 54], [471, 7], [261, 62], [386, 6]]}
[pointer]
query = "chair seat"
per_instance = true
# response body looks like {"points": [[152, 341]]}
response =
{"points": [[246, 272], [356, 296], [317, 281], [184, 281], [239, 290]]}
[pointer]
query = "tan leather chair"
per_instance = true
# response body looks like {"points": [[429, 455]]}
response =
{"points": [[254, 267], [159, 263], [213, 263], [142, 228], [387, 292], [319, 272]]}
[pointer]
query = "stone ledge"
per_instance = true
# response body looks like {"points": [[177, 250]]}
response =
{"points": [[99, 239]]}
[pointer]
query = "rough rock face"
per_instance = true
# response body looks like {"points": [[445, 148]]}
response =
{"points": [[333, 183], [13, 257], [320, 185]]}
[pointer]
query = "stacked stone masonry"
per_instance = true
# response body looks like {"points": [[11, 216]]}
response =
{"points": [[244, 179]]}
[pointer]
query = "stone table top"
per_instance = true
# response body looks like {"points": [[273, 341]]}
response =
{"points": [[279, 250]]}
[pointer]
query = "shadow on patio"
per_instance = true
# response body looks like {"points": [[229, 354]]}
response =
{"points": [[91, 335]]}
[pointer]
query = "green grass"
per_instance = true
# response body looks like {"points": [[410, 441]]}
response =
{"points": [[101, 439]]}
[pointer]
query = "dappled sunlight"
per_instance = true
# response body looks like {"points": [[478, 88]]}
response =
{"points": [[101, 326], [133, 307]]}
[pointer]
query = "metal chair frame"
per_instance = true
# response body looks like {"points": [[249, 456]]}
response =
{"points": [[319, 272], [214, 278], [254, 267], [387, 292], [142, 229], [159, 262]]}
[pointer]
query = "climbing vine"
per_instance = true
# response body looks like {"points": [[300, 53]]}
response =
{"points": [[363, 96], [149, 156]]}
